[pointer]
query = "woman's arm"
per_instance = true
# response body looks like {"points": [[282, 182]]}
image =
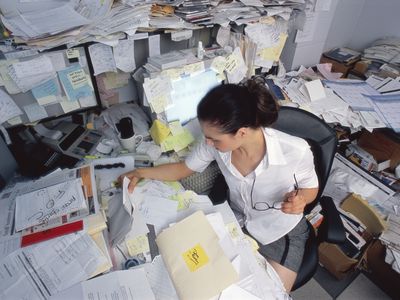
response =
{"points": [[168, 172]]}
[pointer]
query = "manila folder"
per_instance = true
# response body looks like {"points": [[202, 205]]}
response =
{"points": [[195, 261]]}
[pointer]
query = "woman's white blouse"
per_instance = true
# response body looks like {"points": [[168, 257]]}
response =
{"points": [[286, 155]]}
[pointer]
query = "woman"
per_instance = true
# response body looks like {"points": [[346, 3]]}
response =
{"points": [[270, 174]]}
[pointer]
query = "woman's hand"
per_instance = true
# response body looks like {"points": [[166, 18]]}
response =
{"points": [[134, 177], [295, 203]]}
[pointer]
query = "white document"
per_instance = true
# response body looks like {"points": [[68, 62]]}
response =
{"points": [[102, 58], [154, 45], [263, 35], [181, 35], [42, 205], [308, 31], [315, 90], [126, 201], [35, 112], [124, 55], [223, 36], [388, 109], [9, 244], [353, 92], [157, 91], [160, 280], [33, 67], [235, 66], [159, 211], [46, 268], [8, 108], [127, 285]]}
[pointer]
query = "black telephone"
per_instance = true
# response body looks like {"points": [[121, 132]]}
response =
{"points": [[35, 158]]}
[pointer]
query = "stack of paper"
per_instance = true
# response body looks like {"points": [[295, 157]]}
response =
{"points": [[30, 73]]}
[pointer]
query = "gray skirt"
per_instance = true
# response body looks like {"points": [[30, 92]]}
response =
{"points": [[288, 251]]}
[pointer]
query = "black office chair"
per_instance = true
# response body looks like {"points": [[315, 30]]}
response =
{"points": [[322, 140]]}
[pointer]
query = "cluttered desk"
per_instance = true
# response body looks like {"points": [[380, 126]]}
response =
{"points": [[76, 119]]}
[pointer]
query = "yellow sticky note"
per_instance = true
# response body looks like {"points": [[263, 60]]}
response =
{"points": [[253, 242], [173, 74], [195, 258], [195, 68], [72, 53], [176, 185], [137, 245], [159, 132], [184, 199], [176, 127], [233, 230], [77, 78], [168, 144], [183, 140], [218, 64], [273, 53]]}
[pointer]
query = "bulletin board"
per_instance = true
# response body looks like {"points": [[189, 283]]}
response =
{"points": [[69, 90]]}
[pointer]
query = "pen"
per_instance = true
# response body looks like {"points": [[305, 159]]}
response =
{"points": [[296, 185], [91, 156]]}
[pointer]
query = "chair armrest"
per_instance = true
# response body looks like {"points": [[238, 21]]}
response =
{"points": [[331, 229]]}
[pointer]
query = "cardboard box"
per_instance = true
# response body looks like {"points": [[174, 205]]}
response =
{"points": [[332, 257], [381, 146], [337, 66], [381, 273]]}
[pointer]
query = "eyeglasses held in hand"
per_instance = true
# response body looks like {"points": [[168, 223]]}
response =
{"points": [[263, 206]]}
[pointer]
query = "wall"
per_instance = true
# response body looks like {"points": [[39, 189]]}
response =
{"points": [[349, 23], [358, 23]]}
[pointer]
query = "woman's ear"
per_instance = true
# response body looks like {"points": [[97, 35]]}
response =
{"points": [[242, 132]]}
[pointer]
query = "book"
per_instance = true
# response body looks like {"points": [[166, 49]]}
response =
{"points": [[343, 55]]}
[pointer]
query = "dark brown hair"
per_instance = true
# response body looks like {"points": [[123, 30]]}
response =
{"points": [[232, 106]]}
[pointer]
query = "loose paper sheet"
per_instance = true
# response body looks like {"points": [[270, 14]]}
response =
{"points": [[102, 58], [8, 108], [35, 112], [124, 55], [45, 204]]}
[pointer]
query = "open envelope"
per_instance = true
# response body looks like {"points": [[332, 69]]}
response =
{"points": [[195, 261]]}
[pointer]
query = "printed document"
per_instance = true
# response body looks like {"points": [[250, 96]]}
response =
{"points": [[44, 269], [8, 108], [128, 285]]}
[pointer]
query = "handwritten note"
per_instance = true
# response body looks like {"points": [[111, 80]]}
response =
{"points": [[8, 108], [75, 83], [159, 131], [72, 53], [137, 245], [124, 55], [40, 206], [195, 258], [77, 78], [157, 91], [102, 59]]}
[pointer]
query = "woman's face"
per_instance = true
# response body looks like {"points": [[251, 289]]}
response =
{"points": [[223, 142]]}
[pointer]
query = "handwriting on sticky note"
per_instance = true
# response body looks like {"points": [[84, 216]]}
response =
{"points": [[72, 53], [137, 245], [195, 258], [77, 78]]}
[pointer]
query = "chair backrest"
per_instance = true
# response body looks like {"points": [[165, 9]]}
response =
{"points": [[317, 133]]}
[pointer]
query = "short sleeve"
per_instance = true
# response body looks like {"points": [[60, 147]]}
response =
{"points": [[305, 171], [201, 156]]}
